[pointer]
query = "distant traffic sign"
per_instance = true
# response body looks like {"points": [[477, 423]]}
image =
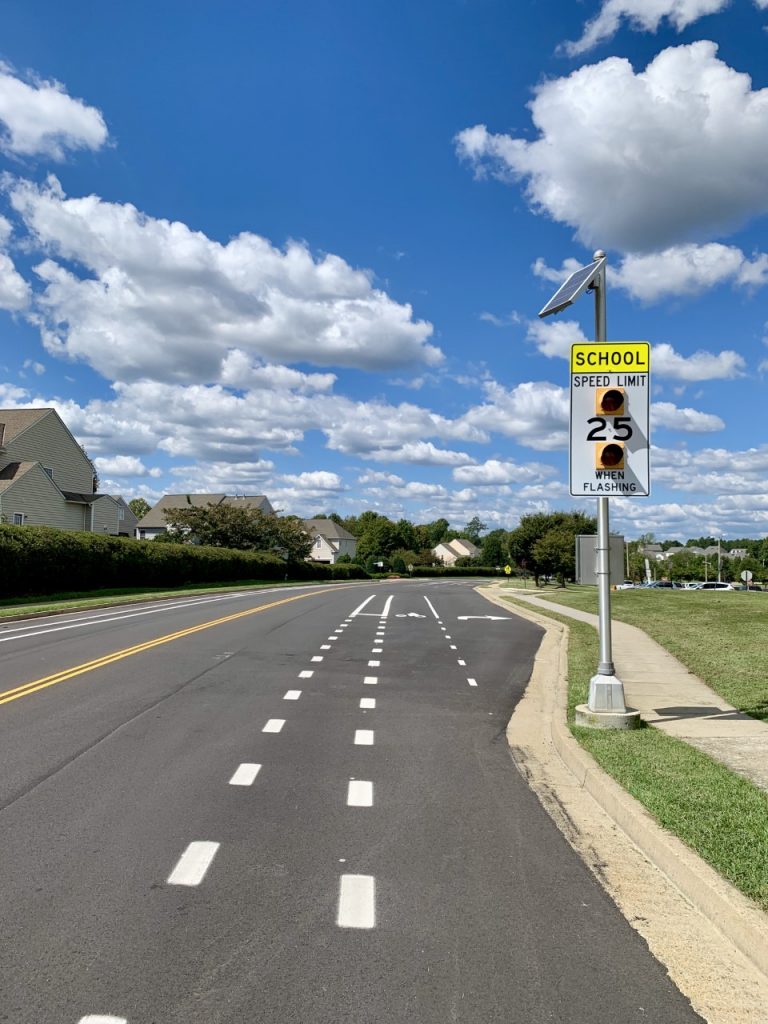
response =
{"points": [[609, 443], [507, 569]]}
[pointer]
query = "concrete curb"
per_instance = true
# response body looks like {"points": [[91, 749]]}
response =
{"points": [[735, 916]]}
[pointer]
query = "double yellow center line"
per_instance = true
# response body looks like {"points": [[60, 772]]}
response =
{"points": [[77, 670]]}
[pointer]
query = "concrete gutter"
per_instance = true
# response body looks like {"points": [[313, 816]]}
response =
{"points": [[539, 724]]}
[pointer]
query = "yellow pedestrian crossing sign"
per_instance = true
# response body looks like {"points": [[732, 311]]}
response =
{"points": [[508, 569]]}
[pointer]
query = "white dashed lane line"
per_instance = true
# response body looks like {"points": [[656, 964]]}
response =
{"points": [[325, 647], [193, 864], [374, 664], [292, 694], [461, 661], [357, 902], [274, 725], [102, 1018], [472, 682], [306, 674], [316, 657], [368, 703], [360, 794], [370, 680], [363, 737], [245, 775]]}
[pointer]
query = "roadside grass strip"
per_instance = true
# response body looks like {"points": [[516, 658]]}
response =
{"points": [[718, 637], [720, 815]]}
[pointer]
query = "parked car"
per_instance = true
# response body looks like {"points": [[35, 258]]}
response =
{"points": [[716, 586], [691, 585], [664, 585], [626, 585]]}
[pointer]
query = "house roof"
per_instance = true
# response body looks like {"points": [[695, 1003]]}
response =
{"points": [[15, 421], [13, 472], [328, 528], [464, 547], [155, 518]]}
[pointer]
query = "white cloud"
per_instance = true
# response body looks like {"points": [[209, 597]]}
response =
{"points": [[124, 465], [553, 338], [508, 320], [157, 299], [689, 421], [14, 290], [36, 368], [643, 16], [535, 413], [317, 481], [41, 119], [494, 472], [423, 453], [640, 161], [688, 270], [546, 273], [374, 478], [724, 365]]}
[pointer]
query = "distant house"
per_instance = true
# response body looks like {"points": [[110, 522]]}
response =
{"points": [[46, 479], [329, 540], [153, 523], [450, 551]]}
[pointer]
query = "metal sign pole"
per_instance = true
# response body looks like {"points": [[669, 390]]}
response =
{"points": [[606, 691], [605, 666]]}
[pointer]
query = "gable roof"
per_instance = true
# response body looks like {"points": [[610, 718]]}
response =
{"points": [[327, 528], [15, 421], [12, 472], [155, 518]]}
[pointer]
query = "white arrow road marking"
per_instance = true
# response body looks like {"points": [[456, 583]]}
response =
{"points": [[493, 618], [409, 615]]}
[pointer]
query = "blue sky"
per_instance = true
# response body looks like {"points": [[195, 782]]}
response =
{"points": [[298, 248]]}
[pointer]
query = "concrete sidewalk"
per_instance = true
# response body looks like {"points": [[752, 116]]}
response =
{"points": [[673, 699]]}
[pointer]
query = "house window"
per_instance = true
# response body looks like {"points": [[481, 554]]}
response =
{"points": [[18, 518], [49, 471], [318, 542], [120, 512]]}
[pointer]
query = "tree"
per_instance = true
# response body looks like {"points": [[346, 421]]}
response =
{"points": [[139, 507], [493, 549], [555, 553], [523, 540], [474, 528], [247, 529]]}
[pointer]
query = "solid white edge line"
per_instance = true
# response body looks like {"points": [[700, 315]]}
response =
{"points": [[357, 902], [193, 864], [368, 703], [432, 608], [363, 737], [387, 606], [292, 694], [274, 725], [359, 793], [370, 680], [245, 775]]}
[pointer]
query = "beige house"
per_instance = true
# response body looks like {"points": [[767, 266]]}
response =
{"points": [[153, 523], [450, 551], [46, 479], [329, 541]]}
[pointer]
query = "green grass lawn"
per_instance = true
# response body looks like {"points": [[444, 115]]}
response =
{"points": [[719, 814], [721, 637]]}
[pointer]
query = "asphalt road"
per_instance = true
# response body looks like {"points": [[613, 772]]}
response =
{"points": [[303, 812]]}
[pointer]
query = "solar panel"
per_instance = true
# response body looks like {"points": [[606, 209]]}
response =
{"points": [[572, 288]]}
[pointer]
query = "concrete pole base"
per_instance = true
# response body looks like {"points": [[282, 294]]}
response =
{"points": [[627, 719]]}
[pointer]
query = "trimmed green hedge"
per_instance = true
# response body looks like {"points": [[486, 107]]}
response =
{"points": [[465, 570], [42, 560]]}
